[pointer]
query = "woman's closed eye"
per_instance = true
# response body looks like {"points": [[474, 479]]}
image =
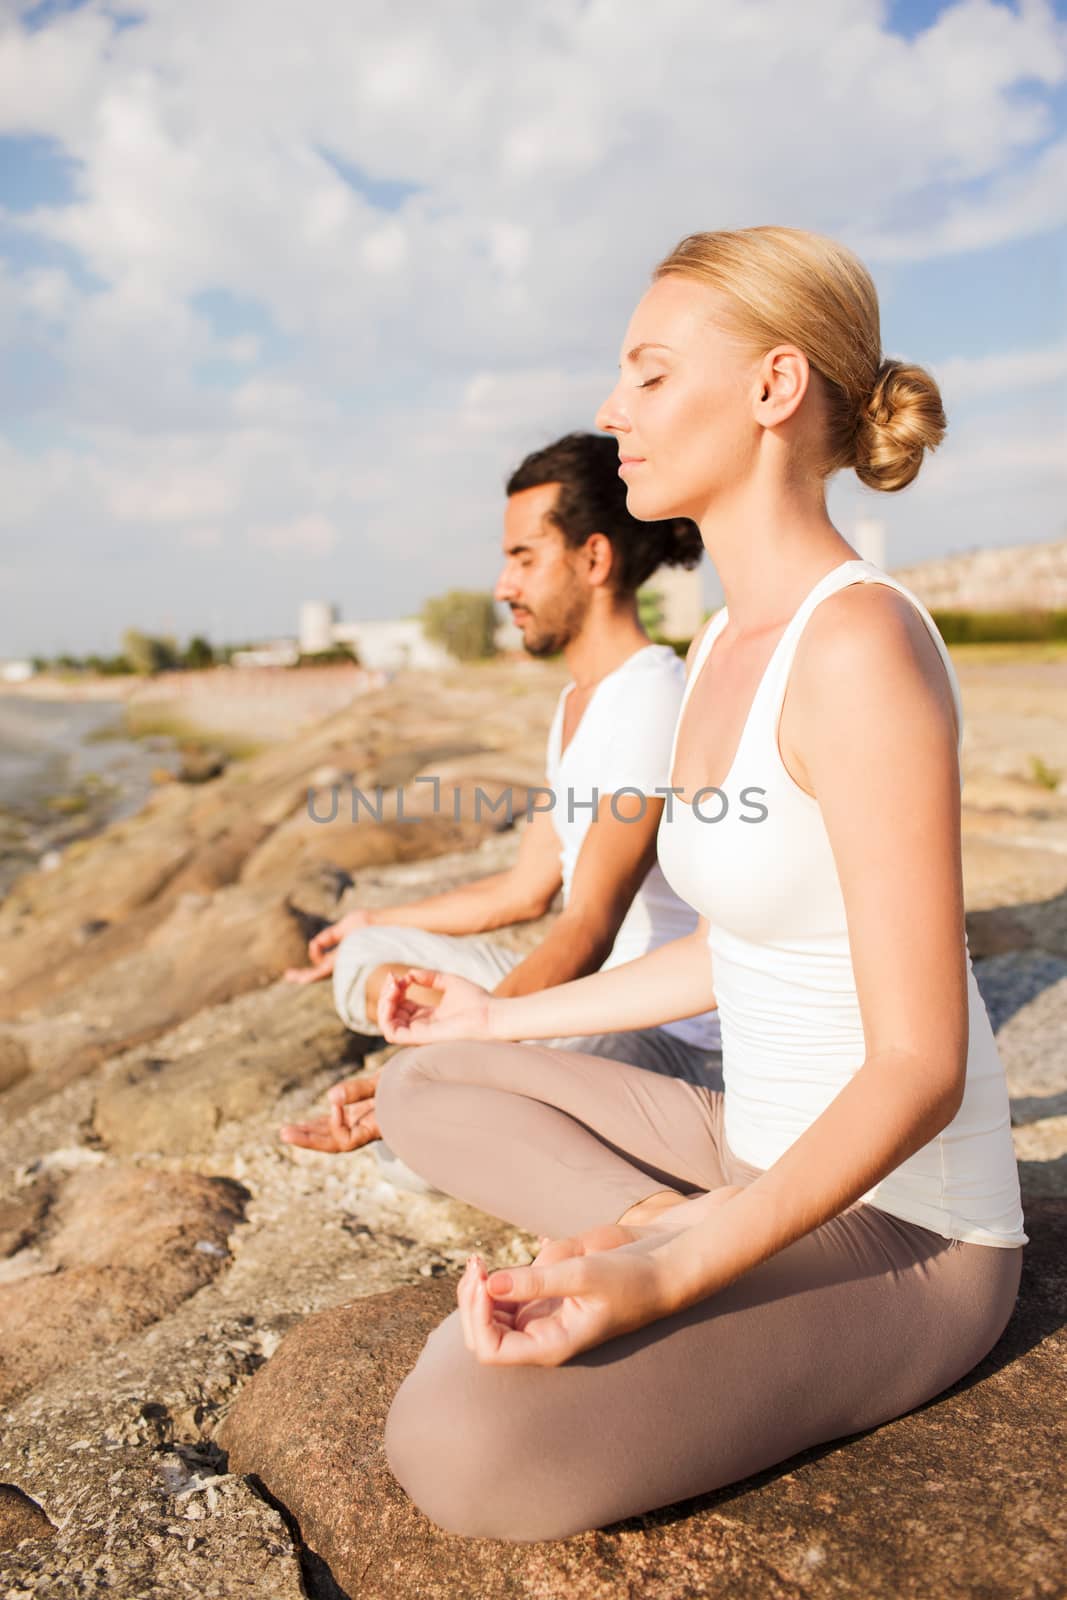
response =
{"points": [[650, 383]]}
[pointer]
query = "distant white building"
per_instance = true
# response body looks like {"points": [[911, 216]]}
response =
{"points": [[275, 653], [681, 597], [317, 623], [868, 537], [391, 646], [16, 671]]}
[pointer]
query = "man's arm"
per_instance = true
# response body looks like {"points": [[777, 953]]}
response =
{"points": [[521, 894], [618, 849]]}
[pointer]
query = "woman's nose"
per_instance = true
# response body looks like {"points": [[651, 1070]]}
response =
{"points": [[610, 417]]}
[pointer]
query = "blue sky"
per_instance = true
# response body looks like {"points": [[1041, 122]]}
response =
{"points": [[285, 293]]}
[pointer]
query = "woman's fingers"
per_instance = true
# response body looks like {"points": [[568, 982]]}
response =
{"points": [[387, 1001], [486, 1336], [424, 978], [466, 1298], [463, 1304], [553, 1250], [568, 1277]]}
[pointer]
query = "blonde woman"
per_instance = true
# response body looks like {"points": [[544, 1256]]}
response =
{"points": [[726, 1279]]}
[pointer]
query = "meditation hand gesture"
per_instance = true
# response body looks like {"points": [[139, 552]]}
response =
{"points": [[349, 1124], [322, 950], [543, 1314], [461, 1013]]}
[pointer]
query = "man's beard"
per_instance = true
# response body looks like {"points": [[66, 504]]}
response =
{"points": [[552, 633], [555, 624]]}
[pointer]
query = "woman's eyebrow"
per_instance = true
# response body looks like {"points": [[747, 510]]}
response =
{"points": [[649, 344]]}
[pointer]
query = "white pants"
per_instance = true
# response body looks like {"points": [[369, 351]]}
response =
{"points": [[478, 957]]}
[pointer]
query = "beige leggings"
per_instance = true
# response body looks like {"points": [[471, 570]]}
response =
{"points": [[856, 1323]]}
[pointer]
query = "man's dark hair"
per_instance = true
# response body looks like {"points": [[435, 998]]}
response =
{"points": [[592, 499]]}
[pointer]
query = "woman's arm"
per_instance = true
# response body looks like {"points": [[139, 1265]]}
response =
{"points": [[670, 982], [673, 981], [875, 726]]}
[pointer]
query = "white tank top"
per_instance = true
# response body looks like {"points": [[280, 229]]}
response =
{"points": [[792, 1035], [623, 741]]}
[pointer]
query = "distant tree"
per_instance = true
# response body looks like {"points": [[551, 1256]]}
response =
{"points": [[147, 654], [334, 656], [108, 666], [169, 652], [650, 609], [463, 621], [198, 653]]}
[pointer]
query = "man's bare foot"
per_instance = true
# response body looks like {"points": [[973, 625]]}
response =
{"points": [[646, 1211], [349, 1124]]}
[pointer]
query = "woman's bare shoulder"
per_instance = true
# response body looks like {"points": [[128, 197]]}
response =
{"points": [[876, 631]]}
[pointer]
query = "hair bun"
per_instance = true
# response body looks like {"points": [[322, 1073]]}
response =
{"points": [[902, 419]]}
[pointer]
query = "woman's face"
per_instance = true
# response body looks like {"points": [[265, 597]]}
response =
{"points": [[684, 408]]}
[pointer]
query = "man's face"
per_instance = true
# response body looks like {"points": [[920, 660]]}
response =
{"points": [[541, 579]]}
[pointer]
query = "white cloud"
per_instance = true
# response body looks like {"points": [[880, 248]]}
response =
{"points": [[310, 535], [408, 358], [970, 377], [1014, 205]]}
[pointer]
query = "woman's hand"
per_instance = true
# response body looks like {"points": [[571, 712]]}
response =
{"points": [[544, 1314], [461, 1013]]}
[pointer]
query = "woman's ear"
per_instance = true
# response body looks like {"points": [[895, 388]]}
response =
{"points": [[784, 376]]}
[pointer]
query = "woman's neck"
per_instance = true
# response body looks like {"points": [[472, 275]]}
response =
{"points": [[769, 547]]}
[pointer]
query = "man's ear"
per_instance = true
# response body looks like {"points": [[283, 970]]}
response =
{"points": [[600, 556]]}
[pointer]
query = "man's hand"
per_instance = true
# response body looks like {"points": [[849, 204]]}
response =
{"points": [[349, 1124], [322, 950]]}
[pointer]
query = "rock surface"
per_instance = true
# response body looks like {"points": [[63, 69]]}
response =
{"points": [[148, 1054], [128, 1247], [20, 1518], [868, 1517]]}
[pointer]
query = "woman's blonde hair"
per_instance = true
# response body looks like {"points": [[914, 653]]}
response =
{"points": [[785, 286]]}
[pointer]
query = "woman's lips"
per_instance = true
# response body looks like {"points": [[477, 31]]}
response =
{"points": [[630, 461]]}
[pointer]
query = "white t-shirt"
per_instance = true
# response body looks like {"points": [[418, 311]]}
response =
{"points": [[623, 741]]}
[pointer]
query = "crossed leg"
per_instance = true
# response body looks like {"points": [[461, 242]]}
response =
{"points": [[859, 1321], [552, 1140]]}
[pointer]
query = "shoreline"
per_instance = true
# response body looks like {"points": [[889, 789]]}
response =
{"points": [[78, 754]]}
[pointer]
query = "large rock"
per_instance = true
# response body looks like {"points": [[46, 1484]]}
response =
{"points": [[129, 1247], [21, 1518], [210, 948], [957, 1499], [448, 805], [59, 928], [253, 1049]]}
